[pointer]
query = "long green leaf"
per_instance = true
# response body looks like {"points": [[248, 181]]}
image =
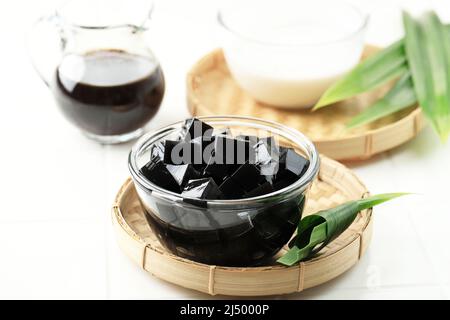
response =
{"points": [[317, 230], [401, 96], [427, 60], [296, 254], [436, 36], [341, 217], [446, 35], [376, 70]]}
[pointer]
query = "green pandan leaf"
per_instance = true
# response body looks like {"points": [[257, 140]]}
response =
{"points": [[424, 52], [427, 51], [315, 231], [374, 71], [401, 96]]}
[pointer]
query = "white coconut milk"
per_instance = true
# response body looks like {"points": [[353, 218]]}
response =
{"points": [[288, 54]]}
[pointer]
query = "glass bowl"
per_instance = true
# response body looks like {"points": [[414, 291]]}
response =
{"points": [[240, 232], [286, 53]]}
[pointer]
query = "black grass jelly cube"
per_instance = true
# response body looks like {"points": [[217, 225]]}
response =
{"points": [[296, 163], [266, 151], [183, 173], [181, 152], [157, 151], [231, 151], [216, 171], [156, 171], [168, 155], [231, 189], [248, 177], [260, 190], [204, 188], [194, 128], [293, 162], [222, 132], [252, 139]]}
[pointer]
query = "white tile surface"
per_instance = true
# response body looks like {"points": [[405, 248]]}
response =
{"points": [[56, 239], [53, 260], [402, 292]]}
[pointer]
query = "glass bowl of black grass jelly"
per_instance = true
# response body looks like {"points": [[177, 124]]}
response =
{"points": [[224, 190]]}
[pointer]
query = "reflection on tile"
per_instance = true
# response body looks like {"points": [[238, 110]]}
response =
{"points": [[402, 292], [129, 281], [57, 176], [53, 260], [420, 167], [396, 255]]}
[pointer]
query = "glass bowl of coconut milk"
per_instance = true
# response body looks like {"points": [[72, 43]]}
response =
{"points": [[286, 53]]}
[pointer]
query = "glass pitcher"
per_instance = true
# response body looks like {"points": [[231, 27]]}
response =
{"points": [[93, 57]]}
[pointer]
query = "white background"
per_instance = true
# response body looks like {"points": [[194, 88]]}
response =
{"points": [[57, 187]]}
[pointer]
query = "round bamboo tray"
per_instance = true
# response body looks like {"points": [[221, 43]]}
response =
{"points": [[335, 184], [211, 90]]}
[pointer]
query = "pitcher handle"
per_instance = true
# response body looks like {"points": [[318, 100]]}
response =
{"points": [[45, 42]]}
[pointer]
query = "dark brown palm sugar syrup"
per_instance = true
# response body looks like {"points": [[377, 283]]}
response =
{"points": [[108, 92]]}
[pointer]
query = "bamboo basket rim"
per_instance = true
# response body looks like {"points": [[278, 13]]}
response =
{"points": [[415, 113], [404, 128], [120, 220]]}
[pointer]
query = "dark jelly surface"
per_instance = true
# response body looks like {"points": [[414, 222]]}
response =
{"points": [[231, 189], [264, 188], [295, 162], [222, 132], [187, 152], [232, 151], [240, 167], [204, 188], [237, 237], [183, 173], [247, 177], [156, 171], [246, 242], [216, 171], [194, 128], [157, 151]]}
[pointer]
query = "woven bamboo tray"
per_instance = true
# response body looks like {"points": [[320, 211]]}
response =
{"points": [[211, 90], [335, 184]]}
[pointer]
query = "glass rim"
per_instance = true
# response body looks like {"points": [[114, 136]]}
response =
{"points": [[364, 19], [59, 14], [298, 138]]}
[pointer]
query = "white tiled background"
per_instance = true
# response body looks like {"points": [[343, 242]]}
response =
{"points": [[56, 187]]}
